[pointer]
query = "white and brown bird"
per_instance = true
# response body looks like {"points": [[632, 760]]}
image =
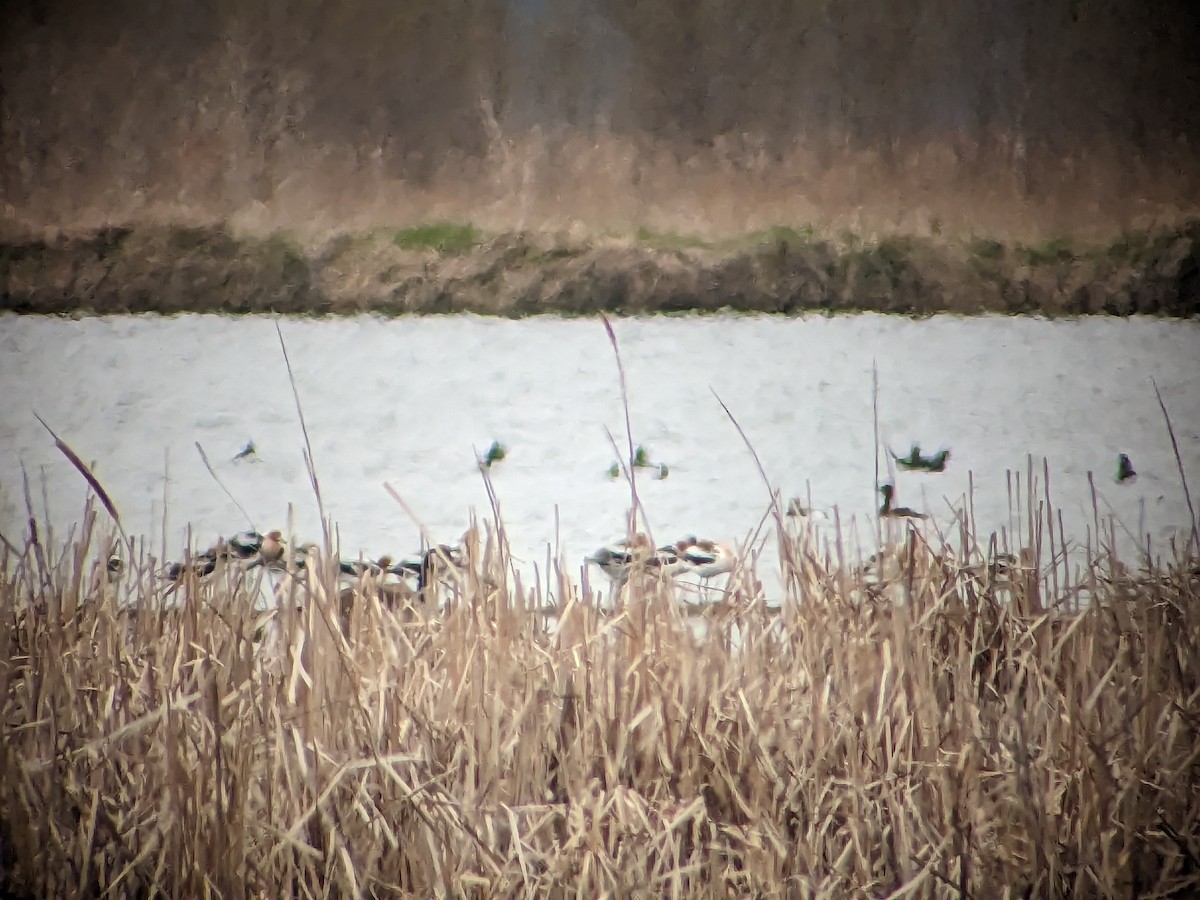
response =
{"points": [[621, 559], [707, 558]]}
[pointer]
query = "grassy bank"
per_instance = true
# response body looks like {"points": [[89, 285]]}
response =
{"points": [[979, 739], [454, 267]]}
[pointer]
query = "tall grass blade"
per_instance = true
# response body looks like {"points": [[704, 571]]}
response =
{"points": [[86, 472], [1187, 495]]}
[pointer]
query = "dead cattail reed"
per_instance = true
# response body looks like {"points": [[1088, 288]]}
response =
{"points": [[917, 727]]}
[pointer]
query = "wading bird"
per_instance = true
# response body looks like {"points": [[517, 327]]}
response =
{"points": [[708, 559], [621, 559]]}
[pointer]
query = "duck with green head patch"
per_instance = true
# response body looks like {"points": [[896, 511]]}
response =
{"points": [[915, 462], [1125, 470]]}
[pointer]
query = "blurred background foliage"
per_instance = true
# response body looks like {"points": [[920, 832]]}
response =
{"points": [[223, 103]]}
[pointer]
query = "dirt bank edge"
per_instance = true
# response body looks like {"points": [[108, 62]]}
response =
{"points": [[207, 269]]}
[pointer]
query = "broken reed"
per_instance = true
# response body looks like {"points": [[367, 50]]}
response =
{"points": [[971, 741]]}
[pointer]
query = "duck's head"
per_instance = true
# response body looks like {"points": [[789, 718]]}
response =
{"points": [[887, 490], [276, 536]]}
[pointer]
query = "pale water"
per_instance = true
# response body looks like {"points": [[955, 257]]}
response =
{"points": [[409, 403]]}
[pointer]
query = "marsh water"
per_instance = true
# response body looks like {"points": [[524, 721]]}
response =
{"points": [[412, 403]]}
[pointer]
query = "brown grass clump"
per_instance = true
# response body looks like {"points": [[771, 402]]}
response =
{"points": [[941, 724]]}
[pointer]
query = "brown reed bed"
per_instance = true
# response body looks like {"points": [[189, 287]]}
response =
{"points": [[950, 723]]}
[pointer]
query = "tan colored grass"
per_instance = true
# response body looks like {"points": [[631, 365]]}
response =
{"points": [[975, 740], [578, 183]]}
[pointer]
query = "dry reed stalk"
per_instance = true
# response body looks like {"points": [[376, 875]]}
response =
{"points": [[919, 729]]}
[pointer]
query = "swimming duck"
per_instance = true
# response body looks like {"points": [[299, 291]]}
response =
{"points": [[356, 568], [497, 452], [888, 511], [916, 462], [247, 451], [1125, 469]]}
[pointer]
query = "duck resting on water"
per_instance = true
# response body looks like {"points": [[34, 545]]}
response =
{"points": [[1125, 469], [888, 511], [916, 462]]}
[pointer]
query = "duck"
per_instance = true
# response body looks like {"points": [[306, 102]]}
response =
{"points": [[300, 555], [357, 568], [888, 511], [1125, 470], [245, 544], [915, 461], [201, 565]]}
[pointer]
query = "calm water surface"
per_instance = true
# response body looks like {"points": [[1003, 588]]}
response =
{"points": [[410, 402]]}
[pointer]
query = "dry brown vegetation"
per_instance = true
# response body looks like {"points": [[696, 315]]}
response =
{"points": [[947, 724], [1015, 120], [448, 268], [620, 156]]}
